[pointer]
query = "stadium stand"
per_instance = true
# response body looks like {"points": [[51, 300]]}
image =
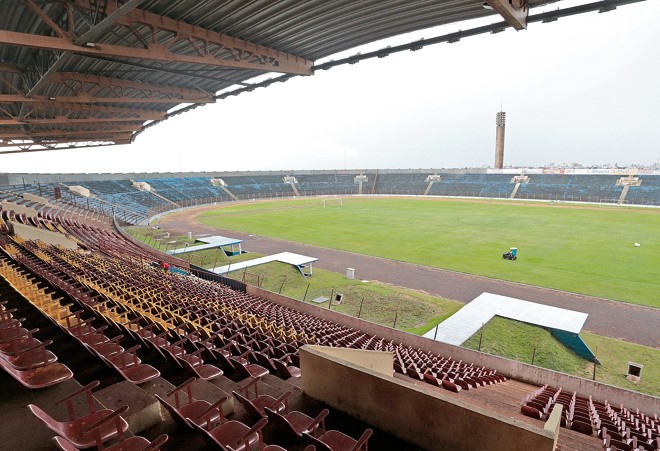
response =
{"points": [[326, 184], [617, 426], [647, 193], [246, 187], [142, 323], [187, 189], [581, 188], [473, 185], [132, 206], [400, 183]]}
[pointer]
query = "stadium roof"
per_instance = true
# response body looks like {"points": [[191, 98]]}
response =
{"points": [[80, 73]]}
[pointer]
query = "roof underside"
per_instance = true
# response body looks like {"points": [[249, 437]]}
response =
{"points": [[95, 72]]}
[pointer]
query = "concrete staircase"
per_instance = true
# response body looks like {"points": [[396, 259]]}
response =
{"points": [[295, 190], [624, 193], [229, 193], [515, 191]]}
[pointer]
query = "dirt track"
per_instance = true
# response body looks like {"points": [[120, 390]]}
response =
{"points": [[628, 322]]}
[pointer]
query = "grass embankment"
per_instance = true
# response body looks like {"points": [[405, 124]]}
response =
{"points": [[413, 311], [515, 340], [582, 249]]}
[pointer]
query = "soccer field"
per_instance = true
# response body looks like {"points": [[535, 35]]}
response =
{"points": [[583, 249]]}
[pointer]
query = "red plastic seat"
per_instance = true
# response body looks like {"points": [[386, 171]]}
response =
{"points": [[338, 441], [450, 386], [203, 371], [255, 406], [248, 370], [128, 444], [39, 376], [197, 411], [531, 412], [30, 357], [234, 435], [131, 369], [295, 423], [11, 331], [265, 361], [74, 428], [286, 371]]}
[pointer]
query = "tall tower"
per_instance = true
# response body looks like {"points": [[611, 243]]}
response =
{"points": [[500, 120]]}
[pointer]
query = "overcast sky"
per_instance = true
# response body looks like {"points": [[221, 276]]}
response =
{"points": [[583, 89]]}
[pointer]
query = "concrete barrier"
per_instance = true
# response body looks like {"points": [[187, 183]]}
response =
{"points": [[32, 233]]}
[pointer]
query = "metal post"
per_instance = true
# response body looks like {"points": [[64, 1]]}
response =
{"points": [[481, 336], [534, 352], [595, 362], [396, 316], [435, 335], [330, 301], [360, 311]]}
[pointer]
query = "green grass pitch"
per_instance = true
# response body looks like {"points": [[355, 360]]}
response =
{"points": [[582, 249]]}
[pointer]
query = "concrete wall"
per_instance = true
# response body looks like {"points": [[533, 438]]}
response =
{"points": [[32, 233], [427, 418], [18, 208], [516, 370], [35, 198]]}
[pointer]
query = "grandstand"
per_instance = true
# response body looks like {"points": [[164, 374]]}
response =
{"points": [[108, 343], [97, 290], [172, 191]]}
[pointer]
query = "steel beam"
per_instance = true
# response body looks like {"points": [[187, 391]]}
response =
{"points": [[137, 113], [11, 68], [514, 12], [85, 98], [55, 145], [42, 14], [68, 134], [208, 43], [184, 94], [155, 52], [92, 35], [78, 121]]}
